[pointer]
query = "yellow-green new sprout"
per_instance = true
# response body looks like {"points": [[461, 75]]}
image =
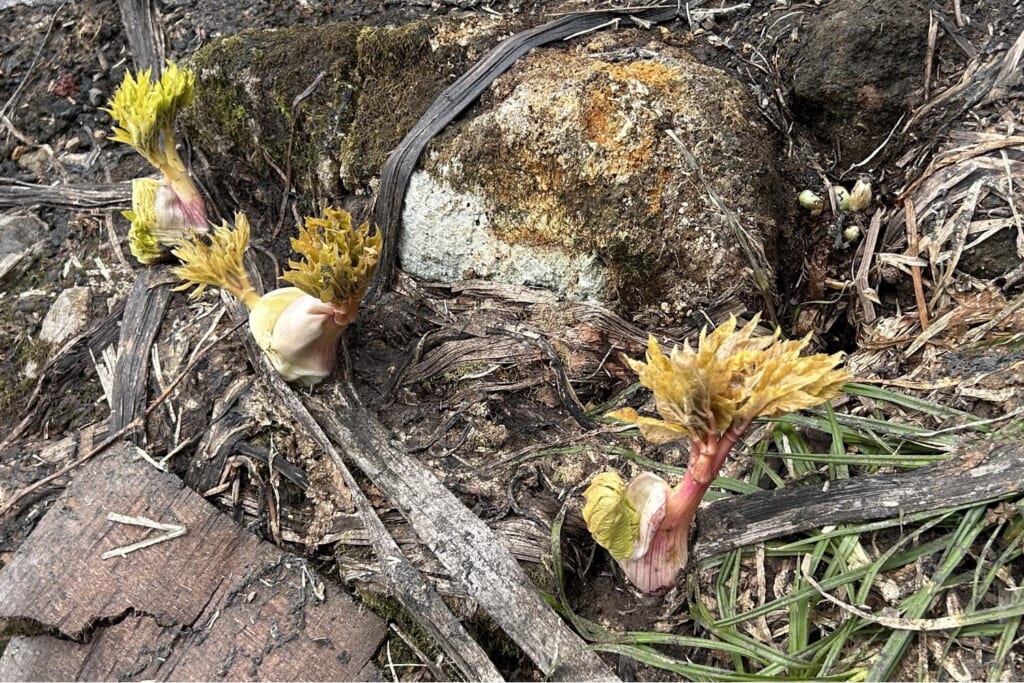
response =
{"points": [[297, 327], [857, 199], [710, 396], [167, 210]]}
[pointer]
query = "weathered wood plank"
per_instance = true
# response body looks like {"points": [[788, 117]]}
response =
{"points": [[979, 472], [468, 548], [76, 196], [214, 603], [143, 313]]}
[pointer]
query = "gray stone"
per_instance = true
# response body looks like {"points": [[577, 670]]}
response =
{"points": [[446, 236], [67, 317], [17, 235], [568, 178], [97, 97], [36, 161]]}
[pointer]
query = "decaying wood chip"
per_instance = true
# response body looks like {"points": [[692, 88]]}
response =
{"points": [[975, 473], [217, 603]]}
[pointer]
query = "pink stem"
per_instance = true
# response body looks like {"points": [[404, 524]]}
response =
{"points": [[667, 553], [669, 547]]}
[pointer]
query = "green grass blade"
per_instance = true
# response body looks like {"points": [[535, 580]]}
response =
{"points": [[1002, 650], [689, 670], [916, 605], [909, 402]]}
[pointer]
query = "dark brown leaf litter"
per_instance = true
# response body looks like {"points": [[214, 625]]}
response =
{"points": [[213, 603]]}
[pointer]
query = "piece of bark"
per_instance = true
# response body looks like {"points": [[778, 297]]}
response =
{"points": [[143, 313], [214, 603], [470, 551], [976, 473], [144, 36]]}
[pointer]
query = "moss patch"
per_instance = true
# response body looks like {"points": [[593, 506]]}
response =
{"points": [[272, 102], [376, 82]]}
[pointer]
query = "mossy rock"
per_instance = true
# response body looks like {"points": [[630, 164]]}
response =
{"points": [[562, 176], [324, 105], [567, 177], [270, 102]]}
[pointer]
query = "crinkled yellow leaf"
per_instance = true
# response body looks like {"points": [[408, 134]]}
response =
{"points": [[218, 262], [731, 378], [338, 261], [654, 430], [610, 516], [144, 110], [141, 241]]}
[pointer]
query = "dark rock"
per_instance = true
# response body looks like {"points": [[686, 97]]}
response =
{"points": [[851, 79]]}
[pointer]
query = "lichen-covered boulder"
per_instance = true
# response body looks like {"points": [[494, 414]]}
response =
{"points": [[570, 176], [567, 174]]}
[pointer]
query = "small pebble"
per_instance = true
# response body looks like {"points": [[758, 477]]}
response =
{"points": [[97, 97]]}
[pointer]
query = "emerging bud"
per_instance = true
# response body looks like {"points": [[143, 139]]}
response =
{"points": [[298, 327], [859, 197], [160, 219], [144, 111], [299, 333], [710, 394], [812, 202]]}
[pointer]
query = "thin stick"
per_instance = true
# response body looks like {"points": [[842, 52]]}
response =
{"points": [[124, 550], [929, 60], [751, 247], [864, 291], [438, 674], [1013, 206], [915, 271], [142, 521], [25, 78], [188, 368]]}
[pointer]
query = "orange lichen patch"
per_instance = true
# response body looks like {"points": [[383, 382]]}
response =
{"points": [[652, 73], [625, 144], [612, 119], [597, 119]]}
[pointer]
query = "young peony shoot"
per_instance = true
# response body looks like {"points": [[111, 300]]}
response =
{"points": [[297, 327], [709, 395], [167, 210]]}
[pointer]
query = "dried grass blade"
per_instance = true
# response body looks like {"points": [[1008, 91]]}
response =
{"points": [[915, 271]]}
